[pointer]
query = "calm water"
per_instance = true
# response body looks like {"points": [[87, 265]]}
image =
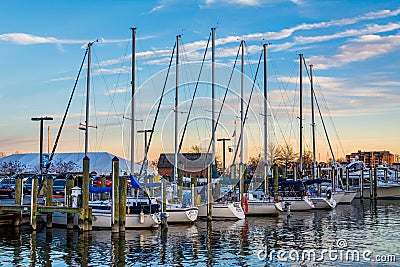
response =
{"points": [[374, 230]]}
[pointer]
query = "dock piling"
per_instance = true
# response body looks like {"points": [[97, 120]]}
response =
{"points": [[375, 184], [276, 176], [362, 185], [115, 196], [122, 203], [49, 199], [34, 194]]}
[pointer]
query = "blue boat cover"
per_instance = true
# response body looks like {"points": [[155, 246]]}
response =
{"points": [[94, 189], [134, 183]]}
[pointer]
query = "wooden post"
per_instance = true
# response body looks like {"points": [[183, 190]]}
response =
{"points": [[209, 193], [19, 196], [193, 181], [49, 199], [347, 179], [275, 175], [385, 174], [151, 180], [180, 182], [362, 185], [122, 203], [164, 217], [89, 218], [375, 184], [34, 194], [68, 201], [18, 190], [284, 176], [266, 181], [85, 195], [115, 196], [371, 184], [164, 195], [295, 172], [102, 185]]}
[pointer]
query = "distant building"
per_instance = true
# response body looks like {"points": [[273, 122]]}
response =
{"points": [[372, 158], [193, 164]]}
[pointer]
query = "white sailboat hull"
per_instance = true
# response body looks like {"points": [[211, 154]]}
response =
{"points": [[102, 219], [227, 211], [337, 196], [298, 203], [182, 215], [384, 191], [348, 197], [259, 207], [323, 203]]}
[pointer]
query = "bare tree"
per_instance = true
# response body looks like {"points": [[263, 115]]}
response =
{"points": [[285, 154], [195, 149]]}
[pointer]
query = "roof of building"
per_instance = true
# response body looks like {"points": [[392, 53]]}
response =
{"points": [[188, 161], [100, 162]]}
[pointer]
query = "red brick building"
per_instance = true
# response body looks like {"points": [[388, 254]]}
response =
{"points": [[193, 164], [372, 158]]}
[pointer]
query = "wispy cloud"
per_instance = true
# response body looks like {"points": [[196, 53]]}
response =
{"points": [[156, 8], [29, 39], [235, 2], [361, 49]]}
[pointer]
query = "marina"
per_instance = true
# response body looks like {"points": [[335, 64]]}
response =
{"points": [[265, 140], [231, 243]]}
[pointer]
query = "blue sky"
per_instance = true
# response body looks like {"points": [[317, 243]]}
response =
{"points": [[353, 45]]}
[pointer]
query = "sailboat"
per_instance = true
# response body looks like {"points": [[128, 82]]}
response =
{"points": [[258, 202], [211, 209], [142, 211], [293, 192], [179, 212], [319, 200]]}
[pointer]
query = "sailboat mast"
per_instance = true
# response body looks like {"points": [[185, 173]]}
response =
{"points": [[266, 186], [213, 97], [301, 116], [178, 37], [87, 100], [209, 178], [241, 167], [313, 123], [133, 100]]}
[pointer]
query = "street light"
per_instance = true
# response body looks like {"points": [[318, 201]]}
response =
{"points": [[223, 149], [41, 119]]}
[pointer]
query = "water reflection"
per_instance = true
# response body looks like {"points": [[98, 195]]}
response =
{"points": [[367, 225]]}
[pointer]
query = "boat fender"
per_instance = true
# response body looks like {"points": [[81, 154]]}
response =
{"points": [[142, 217], [328, 194], [245, 204]]}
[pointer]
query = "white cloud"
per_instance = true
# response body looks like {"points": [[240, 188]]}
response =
{"points": [[362, 48], [156, 8], [235, 2], [29, 39]]}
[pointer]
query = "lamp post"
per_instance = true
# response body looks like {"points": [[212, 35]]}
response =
{"points": [[223, 150], [41, 119]]}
